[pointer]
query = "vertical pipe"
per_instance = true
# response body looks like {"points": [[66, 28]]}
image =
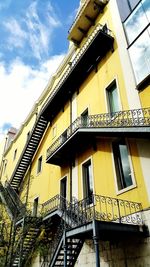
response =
{"points": [[96, 244]]}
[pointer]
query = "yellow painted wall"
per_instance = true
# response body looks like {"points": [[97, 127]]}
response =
{"points": [[145, 97], [92, 94]]}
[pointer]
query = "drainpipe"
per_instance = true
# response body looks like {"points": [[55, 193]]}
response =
{"points": [[96, 243]]}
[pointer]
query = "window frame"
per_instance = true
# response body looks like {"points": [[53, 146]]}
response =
{"points": [[107, 88], [125, 189]]}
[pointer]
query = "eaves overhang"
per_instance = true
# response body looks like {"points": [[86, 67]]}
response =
{"points": [[84, 19], [95, 48]]}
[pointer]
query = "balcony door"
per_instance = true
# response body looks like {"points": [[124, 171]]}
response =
{"points": [[74, 107], [63, 191], [87, 182], [35, 207]]}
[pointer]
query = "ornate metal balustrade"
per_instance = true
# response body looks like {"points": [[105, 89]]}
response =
{"points": [[28, 210], [120, 119], [55, 203], [101, 208]]}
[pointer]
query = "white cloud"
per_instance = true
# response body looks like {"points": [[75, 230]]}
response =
{"points": [[32, 31], [17, 36], [20, 88]]}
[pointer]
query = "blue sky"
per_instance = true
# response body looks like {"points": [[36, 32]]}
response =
{"points": [[33, 42]]}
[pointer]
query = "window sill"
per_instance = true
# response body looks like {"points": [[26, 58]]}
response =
{"points": [[144, 83], [124, 190]]}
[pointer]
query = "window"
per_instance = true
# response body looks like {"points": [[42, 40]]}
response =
{"points": [[15, 154], [39, 166], [122, 165], [138, 34], [87, 181], [84, 118], [112, 96]]}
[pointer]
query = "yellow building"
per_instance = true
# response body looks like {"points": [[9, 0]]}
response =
{"points": [[76, 185]]}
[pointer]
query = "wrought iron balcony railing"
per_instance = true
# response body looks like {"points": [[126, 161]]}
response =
{"points": [[101, 208], [28, 210], [55, 203], [120, 119]]}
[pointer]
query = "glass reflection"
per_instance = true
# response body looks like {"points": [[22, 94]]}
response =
{"points": [[140, 56], [137, 21]]}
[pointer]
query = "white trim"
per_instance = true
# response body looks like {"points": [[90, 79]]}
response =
{"points": [[118, 192]]}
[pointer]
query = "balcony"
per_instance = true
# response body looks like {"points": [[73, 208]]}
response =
{"points": [[129, 123], [98, 43], [112, 214], [85, 19]]}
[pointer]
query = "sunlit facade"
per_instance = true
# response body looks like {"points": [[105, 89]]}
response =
{"points": [[76, 183]]}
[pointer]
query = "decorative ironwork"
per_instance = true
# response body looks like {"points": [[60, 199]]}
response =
{"points": [[101, 208], [55, 203], [123, 119]]}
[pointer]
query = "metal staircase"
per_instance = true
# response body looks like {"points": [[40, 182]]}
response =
{"points": [[72, 247], [28, 152], [24, 247], [11, 201]]}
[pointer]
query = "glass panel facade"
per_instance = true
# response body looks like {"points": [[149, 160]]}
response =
{"points": [[137, 21], [138, 34], [140, 56]]}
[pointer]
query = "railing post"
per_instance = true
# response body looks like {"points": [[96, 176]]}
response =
{"points": [[119, 215]]}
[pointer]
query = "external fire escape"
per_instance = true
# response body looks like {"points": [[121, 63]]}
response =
{"points": [[68, 224], [26, 227]]}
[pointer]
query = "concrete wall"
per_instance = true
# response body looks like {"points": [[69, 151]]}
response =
{"points": [[128, 253]]}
